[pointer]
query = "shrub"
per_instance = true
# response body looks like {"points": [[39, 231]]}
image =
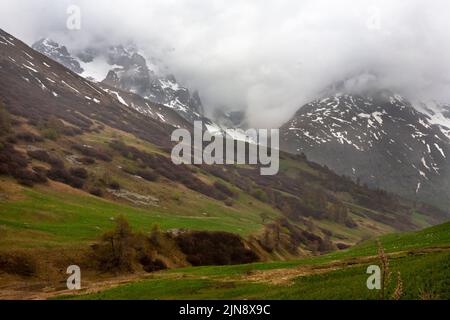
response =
{"points": [[214, 248], [96, 192], [92, 152], [86, 160], [28, 177], [116, 252], [29, 137], [122, 250], [114, 185], [220, 186], [151, 265], [43, 156], [342, 246], [79, 173], [147, 175], [18, 263], [260, 195], [13, 163], [50, 133], [229, 202], [63, 176]]}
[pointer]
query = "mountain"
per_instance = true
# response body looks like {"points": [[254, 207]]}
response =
{"points": [[124, 68], [69, 118], [78, 157], [58, 53], [379, 139], [134, 84]]}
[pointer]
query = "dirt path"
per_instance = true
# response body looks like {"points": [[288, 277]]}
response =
{"points": [[39, 290]]}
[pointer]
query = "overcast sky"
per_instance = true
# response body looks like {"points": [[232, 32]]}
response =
{"points": [[266, 57]]}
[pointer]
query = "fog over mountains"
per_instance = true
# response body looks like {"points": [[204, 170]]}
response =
{"points": [[267, 60], [362, 88]]}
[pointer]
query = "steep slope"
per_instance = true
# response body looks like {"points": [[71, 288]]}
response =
{"points": [[58, 53], [380, 140], [124, 68], [83, 149], [36, 87]]}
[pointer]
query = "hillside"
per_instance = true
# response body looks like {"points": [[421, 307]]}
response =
{"points": [[74, 157], [423, 258], [380, 139]]}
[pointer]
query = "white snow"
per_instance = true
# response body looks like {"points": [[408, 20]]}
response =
{"points": [[161, 117], [425, 163], [96, 69], [167, 84], [418, 187], [440, 150], [30, 68], [28, 55], [7, 41], [423, 174], [121, 100], [70, 86], [377, 116]]}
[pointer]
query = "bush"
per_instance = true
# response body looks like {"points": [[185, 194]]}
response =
{"points": [[260, 195], [122, 250], [29, 137], [79, 173], [29, 178], [43, 156], [13, 163], [151, 265], [50, 134], [116, 252], [63, 176], [147, 175], [92, 152], [220, 186], [96, 192], [214, 248], [229, 202], [114, 185], [21, 264], [86, 160]]}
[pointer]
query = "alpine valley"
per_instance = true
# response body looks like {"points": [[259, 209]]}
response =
{"points": [[86, 179]]}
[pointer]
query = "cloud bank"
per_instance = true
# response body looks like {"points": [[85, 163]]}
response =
{"points": [[265, 57]]}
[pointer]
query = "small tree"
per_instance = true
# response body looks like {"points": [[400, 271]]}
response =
{"points": [[119, 253], [155, 234]]}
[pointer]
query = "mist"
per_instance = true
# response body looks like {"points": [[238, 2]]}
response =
{"points": [[267, 58]]}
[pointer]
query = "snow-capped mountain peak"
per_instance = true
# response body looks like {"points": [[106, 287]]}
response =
{"points": [[58, 53], [381, 140], [125, 68]]}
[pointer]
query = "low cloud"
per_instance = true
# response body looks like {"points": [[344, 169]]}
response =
{"points": [[268, 58]]}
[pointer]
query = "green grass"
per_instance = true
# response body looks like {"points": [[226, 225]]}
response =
{"points": [[61, 218], [437, 236], [421, 273]]}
